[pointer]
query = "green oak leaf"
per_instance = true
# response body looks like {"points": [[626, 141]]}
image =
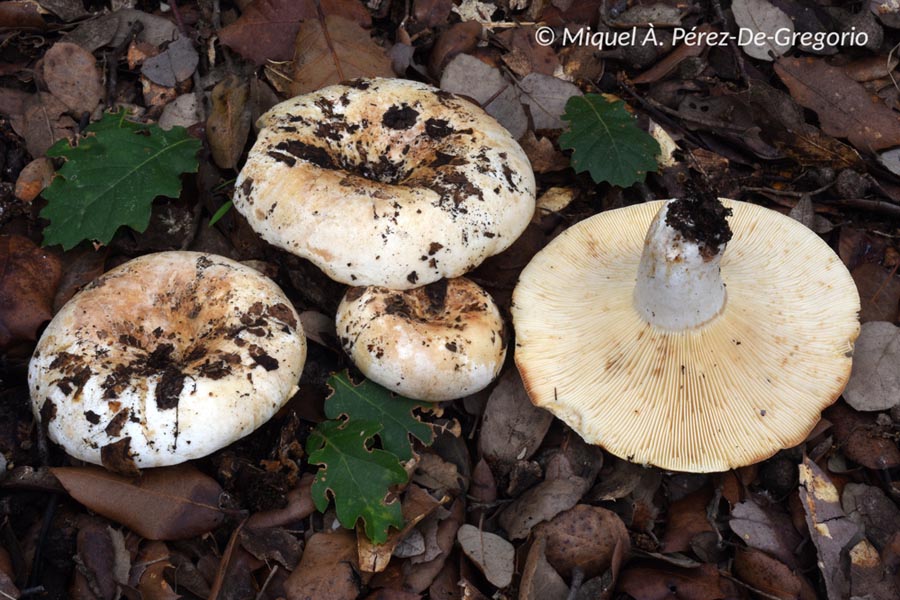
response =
{"points": [[369, 401], [111, 178], [606, 141], [356, 476]]}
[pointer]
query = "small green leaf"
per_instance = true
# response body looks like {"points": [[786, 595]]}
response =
{"points": [[606, 141], [111, 178], [220, 213], [356, 476], [369, 401]]}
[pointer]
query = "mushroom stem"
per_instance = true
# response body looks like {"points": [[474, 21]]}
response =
{"points": [[679, 284]]}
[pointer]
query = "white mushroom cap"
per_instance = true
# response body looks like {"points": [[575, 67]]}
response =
{"points": [[386, 182], [166, 358], [720, 387], [438, 342]]}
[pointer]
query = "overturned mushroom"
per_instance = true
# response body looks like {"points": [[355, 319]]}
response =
{"points": [[166, 358], [386, 182], [438, 342], [667, 350]]}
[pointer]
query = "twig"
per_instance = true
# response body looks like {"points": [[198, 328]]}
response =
{"points": [[176, 12], [879, 206], [791, 194], [265, 584], [112, 61], [749, 587]]}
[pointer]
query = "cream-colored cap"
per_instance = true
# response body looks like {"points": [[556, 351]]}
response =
{"points": [[166, 358], [749, 381], [386, 182], [438, 342]]}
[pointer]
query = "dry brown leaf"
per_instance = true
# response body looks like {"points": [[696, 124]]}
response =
{"points": [[170, 503], [333, 50], [154, 561], [512, 428], [875, 378], [666, 582], [458, 39], [34, 178], [272, 544], [830, 529], [540, 581], [420, 575], [767, 530], [174, 64], [844, 107], [267, 28], [545, 500], [584, 537], [102, 556], [686, 518], [870, 507], [228, 124], [879, 292], [417, 504], [29, 276], [762, 572], [21, 15], [42, 122], [868, 576], [326, 570], [493, 555], [861, 440], [71, 74]]}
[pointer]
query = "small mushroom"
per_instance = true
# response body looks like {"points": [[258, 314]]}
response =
{"points": [[386, 182], [666, 350], [438, 342], [166, 358]]}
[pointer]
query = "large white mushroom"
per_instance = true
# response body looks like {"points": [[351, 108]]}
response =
{"points": [[386, 182], [637, 329], [166, 358]]}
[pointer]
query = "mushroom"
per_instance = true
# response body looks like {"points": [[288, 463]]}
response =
{"points": [[386, 182], [668, 352], [165, 358], [438, 342]]}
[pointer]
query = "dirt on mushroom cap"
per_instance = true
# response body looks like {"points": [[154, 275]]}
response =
{"points": [[166, 358], [386, 182]]}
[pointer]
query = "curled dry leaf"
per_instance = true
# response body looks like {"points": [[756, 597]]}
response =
{"points": [[830, 529], [169, 503], [150, 569], [540, 581], [584, 537], [228, 124], [32, 180], [875, 379], [332, 50], [29, 276], [493, 555], [326, 569], [272, 544], [512, 428], [420, 574]]}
